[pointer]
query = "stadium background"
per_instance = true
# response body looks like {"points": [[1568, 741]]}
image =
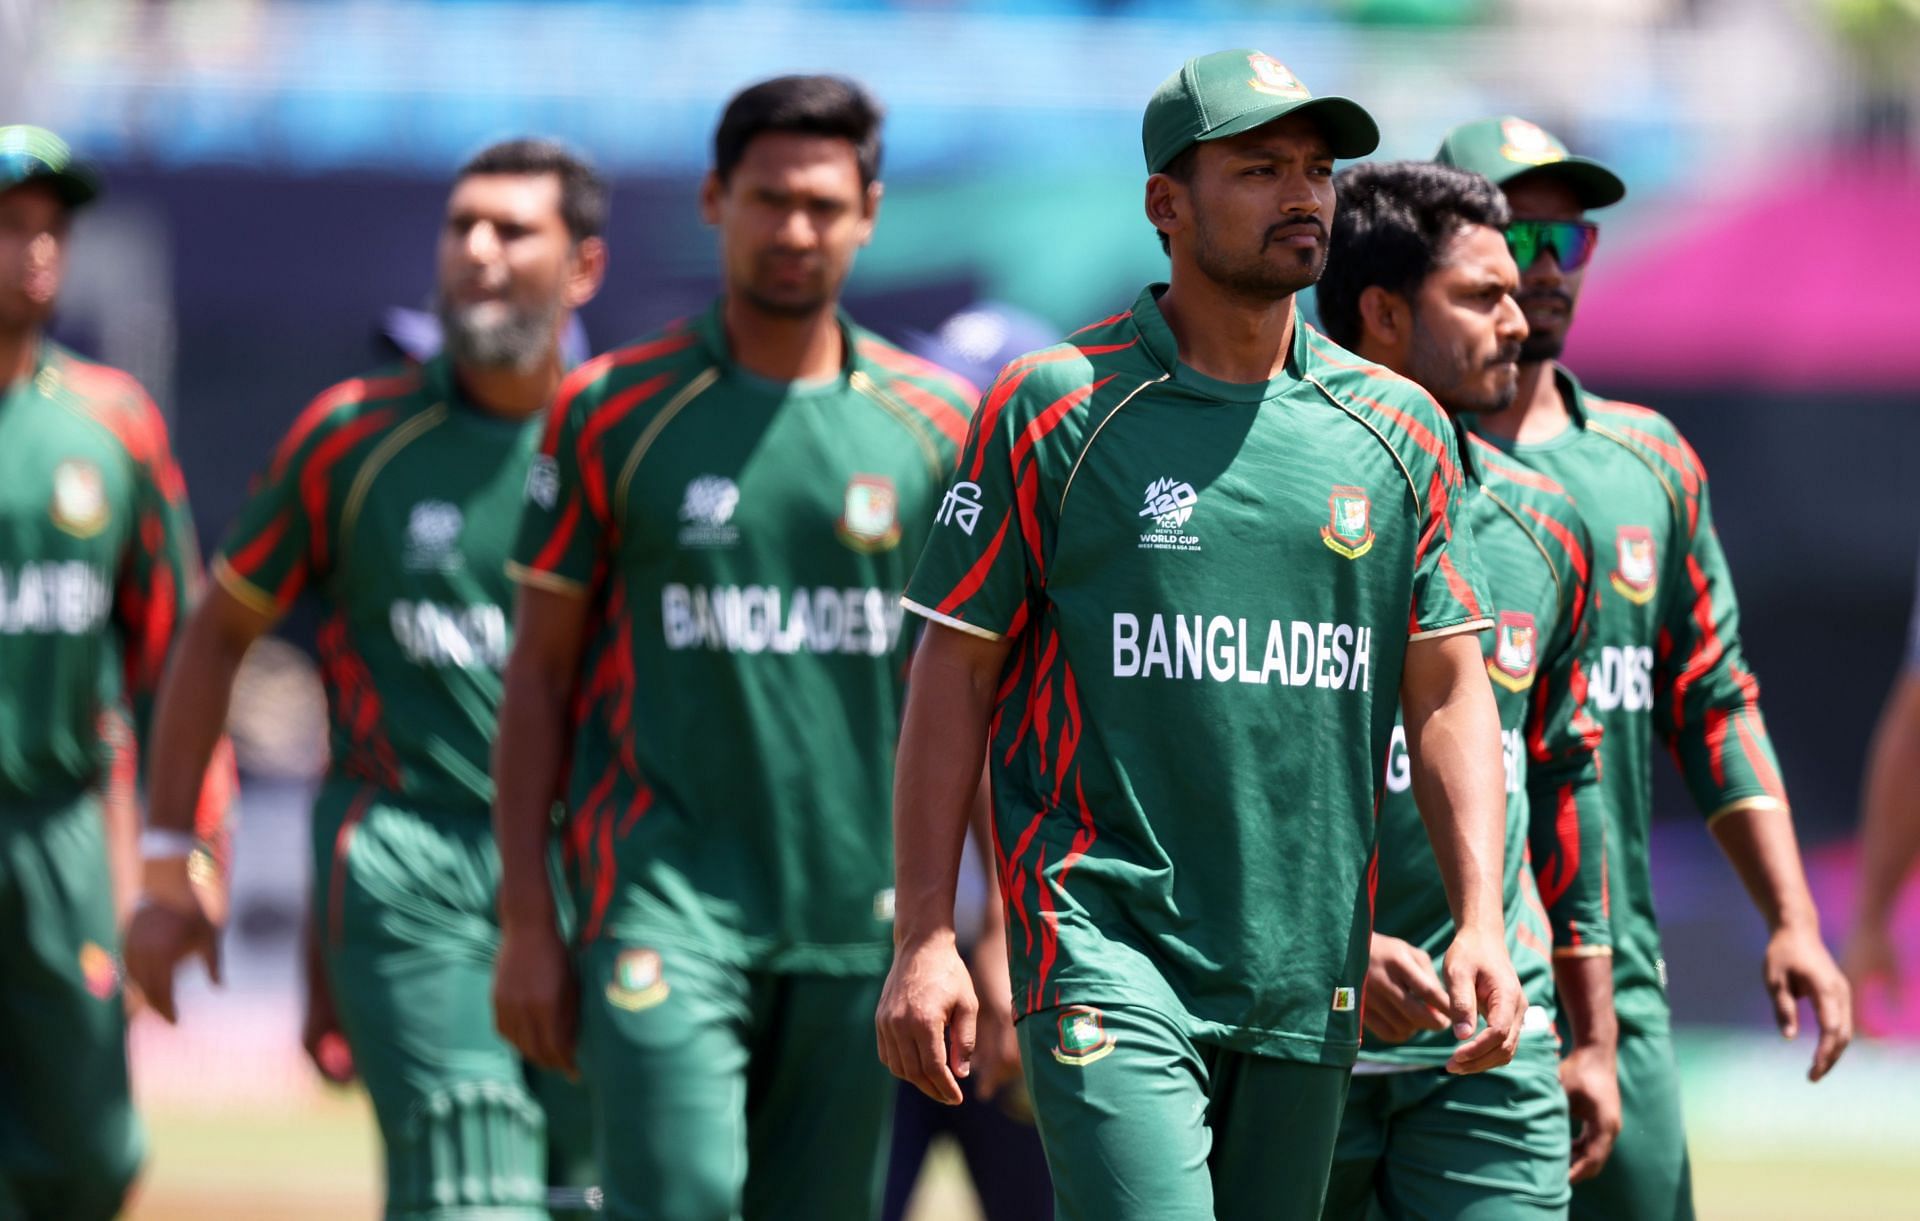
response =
{"points": [[276, 172]]}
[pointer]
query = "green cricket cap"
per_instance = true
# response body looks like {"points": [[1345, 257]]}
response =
{"points": [[1228, 92], [1503, 149], [34, 154]]}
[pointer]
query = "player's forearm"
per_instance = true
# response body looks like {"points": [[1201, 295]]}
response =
{"points": [[1760, 843], [120, 813], [1890, 825], [191, 717], [528, 752], [1453, 745], [1584, 986], [936, 785]]}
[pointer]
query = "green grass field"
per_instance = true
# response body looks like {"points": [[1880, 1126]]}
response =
{"points": [[318, 1163]]}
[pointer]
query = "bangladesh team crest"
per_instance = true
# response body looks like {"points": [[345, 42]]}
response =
{"points": [[1516, 648], [1634, 579], [638, 981], [1529, 143], [79, 498], [1083, 1036], [870, 515], [1349, 528], [1270, 76]]}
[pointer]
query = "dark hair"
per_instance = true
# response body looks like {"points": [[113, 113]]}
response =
{"points": [[1180, 169], [1393, 217], [811, 105], [583, 193]]}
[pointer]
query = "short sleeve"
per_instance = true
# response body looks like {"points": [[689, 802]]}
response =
{"points": [[564, 518], [973, 574], [265, 559], [160, 572], [1449, 590]]}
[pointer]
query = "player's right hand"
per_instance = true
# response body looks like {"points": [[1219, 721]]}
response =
{"points": [[926, 1019], [1404, 996], [1481, 981], [324, 1041], [170, 923], [535, 999]]}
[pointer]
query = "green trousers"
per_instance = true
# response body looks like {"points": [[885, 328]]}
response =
{"points": [[1649, 1177], [721, 1094], [1140, 1123], [70, 1144], [1427, 1145], [404, 908]]}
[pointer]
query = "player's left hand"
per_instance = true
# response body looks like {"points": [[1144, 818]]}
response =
{"points": [[1481, 983], [1590, 1076], [1797, 967], [996, 1048], [173, 920]]}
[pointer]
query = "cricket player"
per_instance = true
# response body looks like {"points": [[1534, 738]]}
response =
{"points": [[1889, 830], [393, 500], [1419, 280], [1192, 562], [98, 565], [708, 662], [1667, 631]]}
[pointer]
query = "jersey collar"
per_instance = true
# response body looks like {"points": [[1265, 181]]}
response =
{"points": [[711, 327], [1157, 338], [1571, 393]]}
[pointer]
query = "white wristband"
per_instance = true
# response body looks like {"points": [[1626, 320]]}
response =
{"points": [[162, 844]]}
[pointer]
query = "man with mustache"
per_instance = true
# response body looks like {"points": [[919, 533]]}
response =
{"points": [[1419, 280], [394, 499], [708, 665], [1667, 630], [1192, 562], [97, 567]]}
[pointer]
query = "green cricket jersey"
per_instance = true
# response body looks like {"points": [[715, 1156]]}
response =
{"points": [[98, 566], [395, 501], [1537, 559], [1666, 631], [743, 543], [1209, 589]]}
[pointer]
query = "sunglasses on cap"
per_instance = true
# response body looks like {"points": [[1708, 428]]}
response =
{"points": [[1570, 241]]}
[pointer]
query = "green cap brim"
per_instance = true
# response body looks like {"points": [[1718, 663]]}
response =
{"points": [[1593, 184], [1350, 130], [76, 187]]}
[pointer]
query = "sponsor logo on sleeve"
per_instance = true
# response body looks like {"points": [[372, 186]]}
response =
{"points": [[1170, 504], [1634, 578], [961, 507], [79, 498], [1515, 649], [706, 512], [543, 482], [870, 514], [1083, 1036], [638, 981], [1343, 1001], [1349, 528]]}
